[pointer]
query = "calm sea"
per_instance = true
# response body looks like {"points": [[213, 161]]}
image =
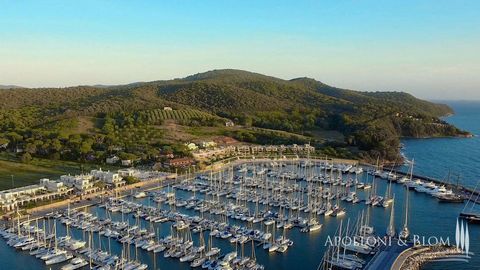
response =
{"points": [[457, 157]]}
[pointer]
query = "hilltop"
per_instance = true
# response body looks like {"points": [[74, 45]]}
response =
{"points": [[88, 122]]}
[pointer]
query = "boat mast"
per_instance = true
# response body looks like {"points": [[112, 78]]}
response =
{"points": [[405, 231], [391, 226], [340, 237]]}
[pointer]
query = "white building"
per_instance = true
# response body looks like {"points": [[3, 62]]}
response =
{"points": [[82, 183], [112, 160], [52, 186], [191, 146], [209, 144], [14, 193], [108, 177], [45, 190], [127, 162], [126, 172]]}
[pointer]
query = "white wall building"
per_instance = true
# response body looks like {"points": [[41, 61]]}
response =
{"points": [[81, 182], [108, 177], [12, 194], [45, 190], [52, 186], [126, 172]]}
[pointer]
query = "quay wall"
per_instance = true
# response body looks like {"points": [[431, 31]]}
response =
{"points": [[48, 206], [415, 258], [402, 257]]}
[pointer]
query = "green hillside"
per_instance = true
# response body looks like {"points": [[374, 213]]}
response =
{"points": [[45, 121]]}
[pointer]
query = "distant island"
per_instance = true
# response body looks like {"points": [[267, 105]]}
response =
{"points": [[149, 121]]}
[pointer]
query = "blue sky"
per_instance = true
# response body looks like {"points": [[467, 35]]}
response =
{"points": [[428, 48]]}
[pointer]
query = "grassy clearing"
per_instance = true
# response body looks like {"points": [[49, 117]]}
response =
{"points": [[328, 135], [207, 131], [85, 125], [279, 132], [23, 174], [174, 133], [31, 173]]}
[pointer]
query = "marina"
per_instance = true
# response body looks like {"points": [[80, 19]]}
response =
{"points": [[248, 215]]}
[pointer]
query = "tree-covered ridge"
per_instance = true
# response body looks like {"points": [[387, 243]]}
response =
{"points": [[371, 122]]}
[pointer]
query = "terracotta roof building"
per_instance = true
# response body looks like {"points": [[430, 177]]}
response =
{"points": [[180, 162]]}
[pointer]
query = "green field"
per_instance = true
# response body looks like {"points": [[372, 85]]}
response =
{"points": [[31, 173], [160, 114]]}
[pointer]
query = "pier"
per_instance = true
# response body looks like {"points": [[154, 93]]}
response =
{"points": [[414, 257], [402, 256], [463, 191]]}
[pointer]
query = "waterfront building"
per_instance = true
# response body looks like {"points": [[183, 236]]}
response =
{"points": [[45, 190], [262, 149], [82, 183], [220, 152], [9, 198], [257, 149], [271, 148], [110, 178], [126, 172], [243, 149], [53, 186], [179, 162]]}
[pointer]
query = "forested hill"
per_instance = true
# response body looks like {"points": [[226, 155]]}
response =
{"points": [[372, 122]]}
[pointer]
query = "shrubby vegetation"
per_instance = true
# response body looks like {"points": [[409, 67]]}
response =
{"points": [[88, 124], [129, 180], [259, 136]]}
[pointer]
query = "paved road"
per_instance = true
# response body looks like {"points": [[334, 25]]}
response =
{"points": [[386, 256], [397, 265]]}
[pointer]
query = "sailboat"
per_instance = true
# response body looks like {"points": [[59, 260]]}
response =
{"points": [[201, 258], [391, 225], [388, 196], [339, 259], [212, 251], [469, 214], [405, 233]]}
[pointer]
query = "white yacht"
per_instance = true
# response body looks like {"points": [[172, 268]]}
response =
{"points": [[75, 263], [140, 195], [58, 259]]}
